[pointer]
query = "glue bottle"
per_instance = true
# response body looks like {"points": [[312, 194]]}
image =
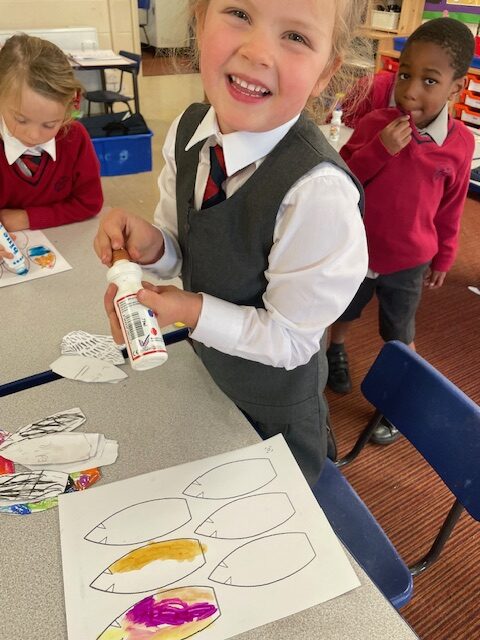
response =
{"points": [[18, 262], [142, 335], [335, 124]]}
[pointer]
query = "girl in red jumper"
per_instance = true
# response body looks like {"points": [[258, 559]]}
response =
{"points": [[413, 161], [49, 172]]}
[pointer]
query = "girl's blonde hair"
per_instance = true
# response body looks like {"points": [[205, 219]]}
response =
{"points": [[354, 51], [40, 65]]}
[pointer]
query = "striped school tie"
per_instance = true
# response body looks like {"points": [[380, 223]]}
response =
{"points": [[29, 164], [214, 193]]}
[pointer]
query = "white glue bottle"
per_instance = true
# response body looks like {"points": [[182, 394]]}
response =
{"points": [[142, 335], [335, 124], [18, 262]]}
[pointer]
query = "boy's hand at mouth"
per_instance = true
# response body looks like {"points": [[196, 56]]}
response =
{"points": [[397, 134]]}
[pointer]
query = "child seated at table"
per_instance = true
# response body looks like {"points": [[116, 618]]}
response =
{"points": [[49, 172]]}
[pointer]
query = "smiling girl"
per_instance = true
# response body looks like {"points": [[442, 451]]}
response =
{"points": [[49, 173], [258, 213]]}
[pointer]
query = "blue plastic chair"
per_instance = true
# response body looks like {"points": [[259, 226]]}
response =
{"points": [[443, 424]]}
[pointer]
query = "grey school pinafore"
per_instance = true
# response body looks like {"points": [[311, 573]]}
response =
{"points": [[225, 254]]}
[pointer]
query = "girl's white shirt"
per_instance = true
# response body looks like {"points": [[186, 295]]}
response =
{"points": [[317, 261]]}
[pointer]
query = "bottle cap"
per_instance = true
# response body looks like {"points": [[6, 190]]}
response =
{"points": [[120, 254]]}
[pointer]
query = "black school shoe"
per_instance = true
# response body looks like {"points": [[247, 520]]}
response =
{"points": [[339, 379], [385, 433]]}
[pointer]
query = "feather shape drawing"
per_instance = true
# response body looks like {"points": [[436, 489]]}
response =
{"points": [[174, 614], [265, 560], [248, 517], [153, 566], [141, 522], [232, 480]]}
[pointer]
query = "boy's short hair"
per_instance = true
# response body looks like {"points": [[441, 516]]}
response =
{"points": [[451, 35]]}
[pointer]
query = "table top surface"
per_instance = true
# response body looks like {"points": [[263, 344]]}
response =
{"points": [[181, 416]]}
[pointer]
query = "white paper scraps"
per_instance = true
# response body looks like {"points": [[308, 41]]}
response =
{"points": [[474, 290], [69, 453], [61, 447], [87, 369], [108, 455], [93, 346], [31, 485], [62, 421]]}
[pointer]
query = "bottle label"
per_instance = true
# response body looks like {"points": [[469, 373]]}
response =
{"points": [[140, 326], [334, 132]]}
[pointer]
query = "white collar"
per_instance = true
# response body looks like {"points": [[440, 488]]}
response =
{"points": [[14, 148], [438, 128], [240, 148]]}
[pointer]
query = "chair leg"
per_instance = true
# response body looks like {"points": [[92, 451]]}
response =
{"points": [[146, 34], [362, 440], [89, 105], [442, 537]]}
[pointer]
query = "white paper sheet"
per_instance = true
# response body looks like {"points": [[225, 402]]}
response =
{"points": [[238, 539], [87, 369], [42, 257]]}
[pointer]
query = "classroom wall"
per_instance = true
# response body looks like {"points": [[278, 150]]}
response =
{"points": [[116, 21]]}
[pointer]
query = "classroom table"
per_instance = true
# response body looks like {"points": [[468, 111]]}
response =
{"points": [[94, 61], [37, 314], [161, 418]]}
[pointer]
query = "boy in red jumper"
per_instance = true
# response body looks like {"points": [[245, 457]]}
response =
{"points": [[49, 172], [414, 163]]}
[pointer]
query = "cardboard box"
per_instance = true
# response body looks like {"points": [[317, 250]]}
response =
{"points": [[385, 20]]}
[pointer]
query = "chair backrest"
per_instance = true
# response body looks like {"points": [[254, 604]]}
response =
{"points": [[137, 58], [441, 422], [143, 4]]}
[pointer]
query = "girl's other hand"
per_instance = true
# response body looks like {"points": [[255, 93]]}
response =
{"points": [[434, 279], [14, 219], [4, 252], [396, 135], [111, 313], [170, 304], [120, 229]]}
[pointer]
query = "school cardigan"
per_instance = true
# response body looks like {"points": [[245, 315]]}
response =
{"points": [[225, 253], [61, 191], [414, 199]]}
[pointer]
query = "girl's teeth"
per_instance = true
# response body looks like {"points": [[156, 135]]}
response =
{"points": [[249, 86]]}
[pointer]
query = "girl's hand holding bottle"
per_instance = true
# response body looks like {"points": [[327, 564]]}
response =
{"points": [[120, 229], [170, 304]]}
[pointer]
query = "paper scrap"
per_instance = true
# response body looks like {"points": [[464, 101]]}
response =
{"points": [[93, 346], [60, 447], [31, 485], [87, 369], [103, 452], [66, 420], [80, 481]]}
